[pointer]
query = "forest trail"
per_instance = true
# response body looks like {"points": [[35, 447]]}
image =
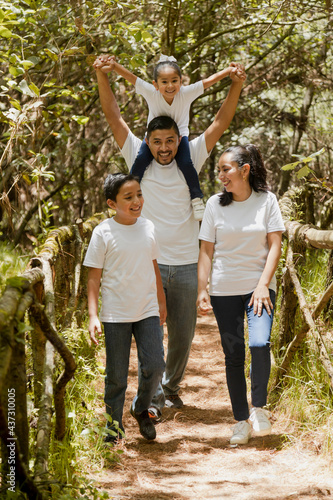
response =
{"points": [[192, 458]]}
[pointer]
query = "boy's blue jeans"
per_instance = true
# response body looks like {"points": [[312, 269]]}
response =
{"points": [[229, 312], [184, 162], [118, 337]]}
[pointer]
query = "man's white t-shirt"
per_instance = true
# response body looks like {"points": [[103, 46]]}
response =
{"points": [[239, 232], [179, 109], [126, 254], [167, 203]]}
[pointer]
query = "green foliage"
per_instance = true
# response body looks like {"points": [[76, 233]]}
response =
{"points": [[12, 264], [305, 170], [55, 146]]}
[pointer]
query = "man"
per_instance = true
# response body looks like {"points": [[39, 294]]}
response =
{"points": [[168, 205]]}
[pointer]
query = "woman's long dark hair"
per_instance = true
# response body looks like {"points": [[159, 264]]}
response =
{"points": [[249, 153]]}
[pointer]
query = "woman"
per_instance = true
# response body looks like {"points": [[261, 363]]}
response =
{"points": [[240, 237]]}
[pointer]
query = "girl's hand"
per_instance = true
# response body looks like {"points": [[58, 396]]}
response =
{"points": [[237, 72], [94, 327], [260, 298], [104, 63], [203, 302]]}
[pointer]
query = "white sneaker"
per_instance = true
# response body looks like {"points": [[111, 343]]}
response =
{"points": [[260, 421], [242, 433], [198, 208]]}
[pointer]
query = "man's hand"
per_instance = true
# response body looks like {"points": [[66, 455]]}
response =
{"points": [[104, 63]]}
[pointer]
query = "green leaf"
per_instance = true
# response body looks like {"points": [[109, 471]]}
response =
{"points": [[34, 88], [81, 120], [303, 172], [27, 64], [51, 55], [25, 88], [146, 37], [5, 33], [290, 166], [16, 71]]}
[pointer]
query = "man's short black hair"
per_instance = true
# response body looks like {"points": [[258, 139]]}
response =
{"points": [[162, 123]]}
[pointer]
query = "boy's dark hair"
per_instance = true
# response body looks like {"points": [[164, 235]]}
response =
{"points": [[113, 183], [162, 123], [162, 64], [249, 153]]}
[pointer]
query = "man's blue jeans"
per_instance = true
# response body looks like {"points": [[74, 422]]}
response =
{"points": [[180, 285], [149, 342], [229, 312]]}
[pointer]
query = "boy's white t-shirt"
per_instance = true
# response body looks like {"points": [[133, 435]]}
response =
{"points": [[239, 232], [179, 110], [167, 203], [126, 254]]}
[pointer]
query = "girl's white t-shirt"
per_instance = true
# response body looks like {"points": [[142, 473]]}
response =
{"points": [[126, 254], [239, 232], [179, 110], [168, 203]]}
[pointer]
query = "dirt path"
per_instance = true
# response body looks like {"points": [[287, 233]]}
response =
{"points": [[192, 458]]}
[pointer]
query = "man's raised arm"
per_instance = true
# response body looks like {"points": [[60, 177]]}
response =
{"points": [[111, 109], [226, 112]]}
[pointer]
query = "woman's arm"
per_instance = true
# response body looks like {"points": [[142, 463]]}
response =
{"points": [[204, 267], [260, 295]]}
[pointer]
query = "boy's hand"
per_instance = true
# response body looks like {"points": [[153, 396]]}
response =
{"points": [[94, 327], [104, 63]]}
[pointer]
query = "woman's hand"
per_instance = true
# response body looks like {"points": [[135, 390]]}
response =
{"points": [[260, 298], [203, 302]]}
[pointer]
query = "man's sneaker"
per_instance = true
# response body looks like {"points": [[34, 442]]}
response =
{"points": [[154, 414], [146, 426], [241, 433], [198, 208], [259, 419], [173, 401]]}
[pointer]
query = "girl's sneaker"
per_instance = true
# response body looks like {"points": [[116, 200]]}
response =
{"points": [[198, 208], [241, 433], [259, 419]]}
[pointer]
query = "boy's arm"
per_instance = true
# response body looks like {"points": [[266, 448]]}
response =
{"points": [[226, 112], [94, 281], [160, 293], [211, 80]]}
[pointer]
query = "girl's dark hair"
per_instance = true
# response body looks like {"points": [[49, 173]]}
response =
{"points": [[249, 153], [113, 183], [160, 65]]}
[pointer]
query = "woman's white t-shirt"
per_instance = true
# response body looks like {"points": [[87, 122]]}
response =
{"points": [[179, 110], [126, 254], [239, 232]]}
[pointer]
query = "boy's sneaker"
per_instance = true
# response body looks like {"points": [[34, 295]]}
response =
{"points": [[146, 426], [259, 419], [198, 208], [241, 433], [154, 414], [173, 401]]}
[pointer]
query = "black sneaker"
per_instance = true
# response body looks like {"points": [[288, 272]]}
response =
{"points": [[115, 437], [173, 401], [146, 426], [154, 414]]}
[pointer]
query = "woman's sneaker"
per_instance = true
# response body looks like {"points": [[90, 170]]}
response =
{"points": [[241, 433], [259, 419]]}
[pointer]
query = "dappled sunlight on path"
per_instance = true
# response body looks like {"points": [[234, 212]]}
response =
{"points": [[192, 457]]}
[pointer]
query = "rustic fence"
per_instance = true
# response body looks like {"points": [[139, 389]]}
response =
{"points": [[51, 295]]}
